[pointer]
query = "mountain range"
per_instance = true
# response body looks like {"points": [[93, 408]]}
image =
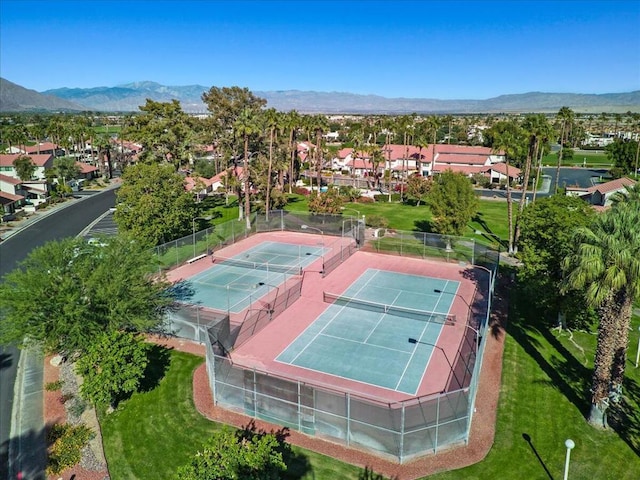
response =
{"points": [[128, 97]]}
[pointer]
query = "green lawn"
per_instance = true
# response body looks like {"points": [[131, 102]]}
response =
{"points": [[153, 433], [590, 159], [544, 395], [491, 217]]}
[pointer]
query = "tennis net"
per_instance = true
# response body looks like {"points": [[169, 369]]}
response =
{"points": [[423, 315], [269, 267]]}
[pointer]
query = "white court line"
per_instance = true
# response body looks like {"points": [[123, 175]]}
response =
{"points": [[363, 343], [323, 328], [384, 314]]}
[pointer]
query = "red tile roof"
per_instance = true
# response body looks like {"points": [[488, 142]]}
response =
{"points": [[11, 197], [11, 180], [458, 159], [502, 168], [43, 147], [466, 150], [38, 160], [612, 186], [86, 168]]}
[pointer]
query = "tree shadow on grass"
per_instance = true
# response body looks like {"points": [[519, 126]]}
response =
{"points": [[624, 417], [567, 373], [423, 226], [159, 361]]}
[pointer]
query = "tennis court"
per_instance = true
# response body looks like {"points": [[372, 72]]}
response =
{"points": [[233, 284], [364, 334]]}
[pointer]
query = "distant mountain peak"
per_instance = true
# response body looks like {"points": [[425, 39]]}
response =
{"points": [[130, 96]]}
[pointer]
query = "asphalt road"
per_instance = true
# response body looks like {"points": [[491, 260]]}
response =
{"points": [[61, 223]]}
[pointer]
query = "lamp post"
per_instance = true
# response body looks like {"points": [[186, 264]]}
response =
{"points": [[569, 444], [193, 224], [446, 357], [476, 331], [638, 351], [307, 227], [355, 210]]}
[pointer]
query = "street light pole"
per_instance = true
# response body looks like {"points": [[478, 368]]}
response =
{"points": [[446, 357], [569, 444], [638, 351]]}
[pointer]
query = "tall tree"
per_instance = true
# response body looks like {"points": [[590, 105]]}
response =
{"points": [[508, 137], [565, 118], [537, 129], [163, 130], [272, 122], [25, 168], [245, 126], [547, 238], [453, 203], [606, 266], [153, 205]]}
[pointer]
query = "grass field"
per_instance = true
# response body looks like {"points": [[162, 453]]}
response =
{"points": [[491, 217], [153, 433], [581, 158]]}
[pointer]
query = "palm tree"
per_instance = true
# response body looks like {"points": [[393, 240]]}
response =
{"points": [[565, 117], [245, 126], [606, 266], [536, 127], [319, 124], [272, 121], [508, 138]]}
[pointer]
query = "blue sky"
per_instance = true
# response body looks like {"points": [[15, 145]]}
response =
{"points": [[418, 49]]}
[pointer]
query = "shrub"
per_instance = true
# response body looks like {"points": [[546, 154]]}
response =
{"points": [[65, 446], [377, 221], [66, 397], [53, 386], [300, 191], [365, 200]]}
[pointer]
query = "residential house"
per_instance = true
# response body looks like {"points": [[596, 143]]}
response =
{"points": [[42, 162], [600, 195], [43, 148]]}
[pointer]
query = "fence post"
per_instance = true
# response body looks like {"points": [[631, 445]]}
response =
{"points": [[348, 436]]}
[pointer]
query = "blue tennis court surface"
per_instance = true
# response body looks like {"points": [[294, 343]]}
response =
{"points": [[368, 341], [232, 284]]}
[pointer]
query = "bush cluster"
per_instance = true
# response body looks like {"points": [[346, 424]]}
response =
{"points": [[66, 442], [377, 221]]}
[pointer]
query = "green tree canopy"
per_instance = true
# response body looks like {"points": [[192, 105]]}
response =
{"points": [[112, 366], [623, 154], [163, 130], [241, 455], [453, 203], [68, 292], [153, 205], [326, 202], [546, 239], [417, 187], [66, 168], [25, 168]]}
